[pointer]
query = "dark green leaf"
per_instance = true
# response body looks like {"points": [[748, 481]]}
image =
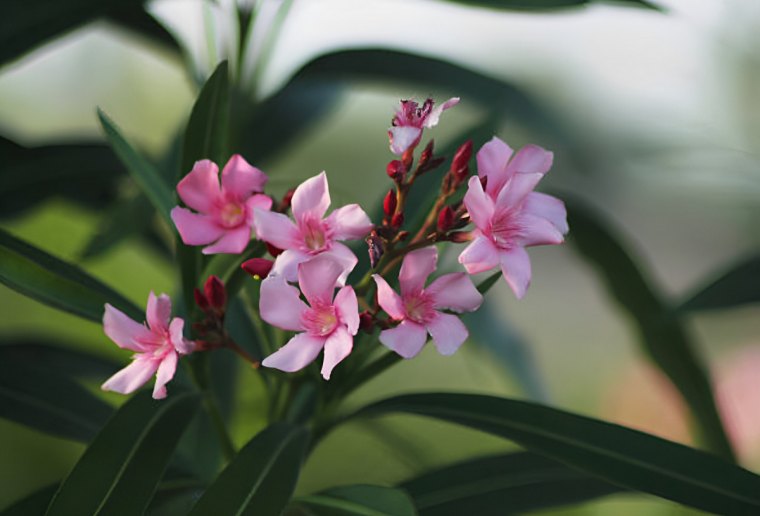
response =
{"points": [[622, 456], [261, 478], [547, 5], [32, 505], [663, 335], [737, 286], [54, 282], [120, 470], [512, 483], [359, 500], [55, 357]]}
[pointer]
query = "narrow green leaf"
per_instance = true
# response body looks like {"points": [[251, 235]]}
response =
{"points": [[120, 470], [31, 505], [147, 177], [43, 354], [125, 218], [547, 5], [261, 479], [737, 286], [47, 279], [511, 483], [622, 456], [663, 336], [359, 500]]}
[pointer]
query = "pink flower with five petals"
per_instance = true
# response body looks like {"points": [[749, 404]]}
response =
{"points": [[311, 235], [327, 323], [508, 214], [157, 345], [418, 308], [411, 118], [224, 215]]}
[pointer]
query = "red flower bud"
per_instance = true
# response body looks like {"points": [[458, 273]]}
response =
{"points": [[397, 220], [389, 203], [259, 268], [274, 251], [407, 158], [375, 248], [445, 219], [366, 321], [425, 155], [200, 300], [395, 170], [460, 163], [215, 292], [285, 202]]}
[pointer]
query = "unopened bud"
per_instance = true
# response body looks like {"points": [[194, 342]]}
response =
{"points": [[375, 248], [395, 170], [366, 321], [397, 220], [389, 203], [259, 268], [460, 237], [425, 155], [274, 251], [460, 164], [445, 219], [215, 292], [286, 199], [407, 158], [402, 235], [200, 300]]}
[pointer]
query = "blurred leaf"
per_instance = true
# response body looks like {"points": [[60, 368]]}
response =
{"points": [[32, 505], [359, 500], [147, 177], [120, 470], [663, 336], [49, 402], [55, 357], [617, 454], [512, 483], [261, 478], [543, 5], [174, 498], [47, 279], [737, 286], [125, 218]]}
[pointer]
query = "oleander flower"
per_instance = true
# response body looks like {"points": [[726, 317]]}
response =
{"points": [[311, 234], [327, 323], [411, 118], [419, 308], [225, 213], [157, 346], [508, 214]]}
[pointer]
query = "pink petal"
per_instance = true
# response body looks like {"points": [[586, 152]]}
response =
{"points": [[403, 137], [259, 201], [277, 229], [435, 114], [241, 179], [515, 265], [280, 304], [312, 198], [158, 312], [200, 188], [406, 339], [455, 292], [348, 309], [286, 264], [234, 241], [415, 269], [345, 257], [349, 223], [195, 229], [538, 231], [178, 340], [125, 332], [337, 347], [299, 352], [478, 204], [166, 370], [448, 333], [480, 256], [132, 377], [492, 161], [548, 207], [531, 159], [317, 278], [516, 190], [388, 299]]}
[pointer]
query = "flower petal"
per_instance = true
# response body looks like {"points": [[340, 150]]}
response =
{"points": [[317, 278], [403, 137], [178, 340], [538, 231], [531, 159], [195, 229], [448, 333], [406, 339], [548, 207], [492, 161], [132, 377], [260, 201], [435, 114], [349, 222], [234, 241], [516, 190], [345, 257], [348, 309], [478, 204], [455, 292], [241, 179], [200, 188], [286, 264], [311, 198], [125, 332], [337, 347], [165, 373], [299, 352], [480, 256], [277, 229], [415, 269], [388, 299], [515, 265], [158, 312], [280, 304]]}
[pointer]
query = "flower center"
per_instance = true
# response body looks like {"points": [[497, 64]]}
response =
{"points": [[231, 214], [320, 321], [419, 307], [505, 229], [313, 234]]}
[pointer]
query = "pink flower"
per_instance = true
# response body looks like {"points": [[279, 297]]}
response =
{"points": [[327, 323], [509, 215], [418, 308], [311, 235], [411, 118], [225, 215], [157, 346]]}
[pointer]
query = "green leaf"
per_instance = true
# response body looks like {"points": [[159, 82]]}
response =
{"points": [[125, 218], [120, 470], [663, 336], [31, 505], [147, 177], [621, 456], [512, 483], [261, 478], [47, 279], [359, 500], [739, 285], [547, 5], [43, 354]]}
